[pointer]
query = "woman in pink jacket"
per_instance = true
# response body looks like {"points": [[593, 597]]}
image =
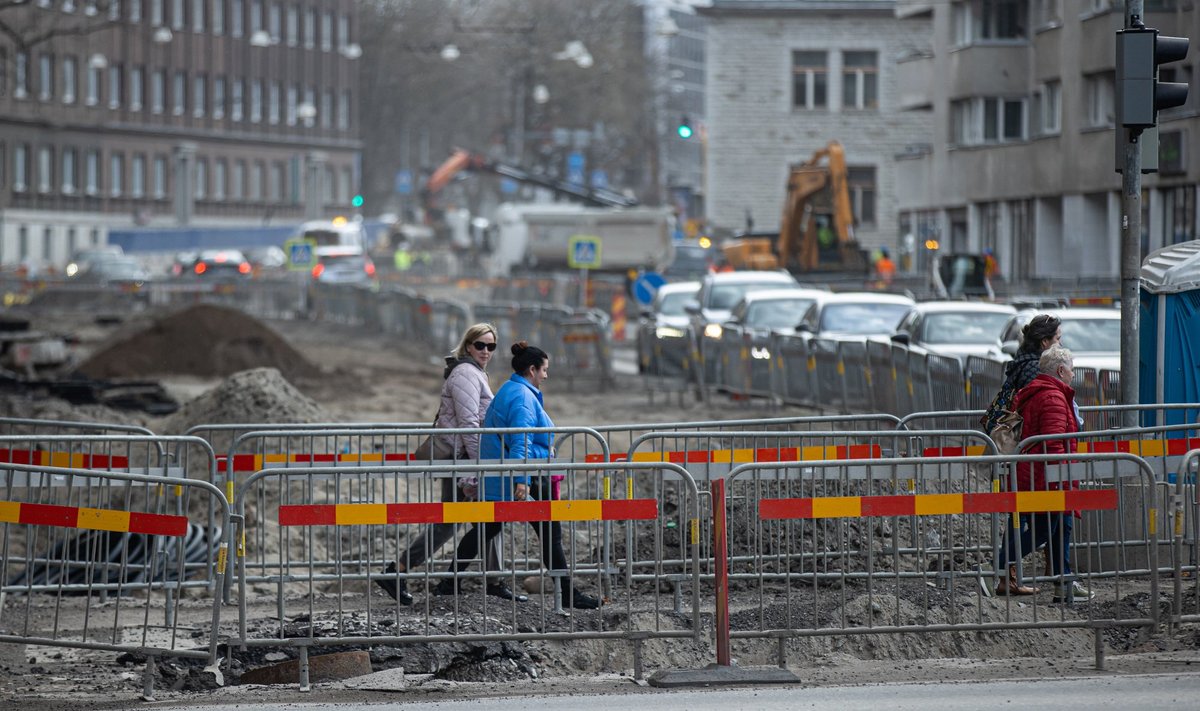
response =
{"points": [[466, 395]]}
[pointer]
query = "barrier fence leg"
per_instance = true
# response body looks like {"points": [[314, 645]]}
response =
{"points": [[148, 679], [721, 583]]}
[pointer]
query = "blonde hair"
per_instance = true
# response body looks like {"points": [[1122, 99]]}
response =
{"points": [[1054, 358], [474, 333]]}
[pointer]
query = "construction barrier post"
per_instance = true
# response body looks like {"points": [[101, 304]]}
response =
{"points": [[618, 317], [721, 583]]}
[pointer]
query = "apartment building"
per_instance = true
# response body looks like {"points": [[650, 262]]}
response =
{"points": [[1020, 98], [173, 112], [784, 78]]}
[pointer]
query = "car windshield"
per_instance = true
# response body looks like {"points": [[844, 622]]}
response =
{"points": [[672, 304], [725, 296], [777, 313], [1093, 335], [964, 328], [862, 319]]}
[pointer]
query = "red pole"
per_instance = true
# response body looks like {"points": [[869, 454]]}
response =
{"points": [[721, 559]]}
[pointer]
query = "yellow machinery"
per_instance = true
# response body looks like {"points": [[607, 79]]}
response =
{"points": [[816, 230]]}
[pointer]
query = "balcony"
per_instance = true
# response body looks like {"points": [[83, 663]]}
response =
{"points": [[914, 8], [914, 79]]}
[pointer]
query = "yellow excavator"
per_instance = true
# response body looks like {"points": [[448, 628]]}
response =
{"points": [[816, 231]]}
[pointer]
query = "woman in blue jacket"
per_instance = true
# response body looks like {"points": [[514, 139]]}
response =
{"points": [[518, 403]]}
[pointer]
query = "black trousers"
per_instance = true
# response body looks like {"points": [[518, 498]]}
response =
{"points": [[549, 534], [435, 535]]}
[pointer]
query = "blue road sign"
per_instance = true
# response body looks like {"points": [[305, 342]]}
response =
{"points": [[301, 254], [583, 252], [600, 179], [508, 186], [646, 286], [404, 182], [575, 168]]}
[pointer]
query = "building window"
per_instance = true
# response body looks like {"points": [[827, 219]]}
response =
{"points": [[326, 112], [237, 187], [310, 28], [1179, 214], [293, 26], [1098, 99], [137, 181], [218, 188], [1049, 108], [327, 31], [20, 168], [91, 172], [809, 80], [135, 10], [218, 17], [987, 120], [115, 73], [72, 240], [989, 20], [310, 100], [235, 100], [276, 185], [46, 77], [291, 105], [201, 191], [68, 80], [218, 98], [69, 178], [1045, 13], [861, 182], [21, 75], [256, 16], [157, 12], [198, 8], [116, 174], [179, 94], [343, 114], [275, 21], [22, 242], [236, 14], [158, 81], [343, 31], [177, 22], [160, 177], [860, 80], [273, 102], [45, 170], [92, 90], [256, 100], [114, 9], [256, 178], [135, 88], [347, 184], [198, 91]]}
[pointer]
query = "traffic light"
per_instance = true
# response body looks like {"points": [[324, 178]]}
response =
{"points": [[357, 201], [1140, 95], [684, 129]]}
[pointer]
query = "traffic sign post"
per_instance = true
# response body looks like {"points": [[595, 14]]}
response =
{"points": [[583, 253]]}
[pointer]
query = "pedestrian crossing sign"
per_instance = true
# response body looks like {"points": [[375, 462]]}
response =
{"points": [[583, 252], [301, 254]]}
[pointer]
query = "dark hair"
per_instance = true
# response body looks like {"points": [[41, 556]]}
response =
{"points": [[1038, 329], [526, 356]]}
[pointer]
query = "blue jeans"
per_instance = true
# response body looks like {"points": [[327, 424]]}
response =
{"points": [[1051, 529]]}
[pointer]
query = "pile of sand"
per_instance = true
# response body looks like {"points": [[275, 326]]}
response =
{"points": [[204, 340], [252, 396]]}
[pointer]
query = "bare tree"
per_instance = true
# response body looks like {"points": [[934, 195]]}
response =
{"points": [[25, 24]]}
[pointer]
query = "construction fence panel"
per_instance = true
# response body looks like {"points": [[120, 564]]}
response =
{"points": [[1186, 531], [881, 376], [902, 377], [829, 390], [852, 366], [984, 377], [909, 545]]}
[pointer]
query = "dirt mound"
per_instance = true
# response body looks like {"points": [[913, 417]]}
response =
{"points": [[252, 396], [204, 340]]}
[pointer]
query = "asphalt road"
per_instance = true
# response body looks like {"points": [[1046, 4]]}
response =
{"points": [[1111, 692]]}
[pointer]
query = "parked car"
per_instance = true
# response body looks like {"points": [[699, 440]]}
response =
{"points": [[955, 328], [343, 265], [213, 264], [749, 329], [662, 342], [83, 259], [1093, 335], [718, 294], [115, 269], [855, 314]]}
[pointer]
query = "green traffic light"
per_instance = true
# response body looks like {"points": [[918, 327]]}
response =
{"points": [[684, 130], [357, 201]]}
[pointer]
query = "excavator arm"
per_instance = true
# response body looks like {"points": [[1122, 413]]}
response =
{"points": [[799, 242], [462, 160]]}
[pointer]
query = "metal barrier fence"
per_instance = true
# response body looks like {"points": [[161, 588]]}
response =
{"points": [[1186, 532], [349, 525], [816, 548], [71, 531]]}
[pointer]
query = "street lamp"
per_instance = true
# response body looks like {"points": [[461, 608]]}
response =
{"points": [[261, 38], [541, 94], [450, 53], [306, 112], [98, 61], [352, 51], [162, 35]]}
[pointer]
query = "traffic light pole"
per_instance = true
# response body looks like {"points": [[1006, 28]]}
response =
{"points": [[1131, 251]]}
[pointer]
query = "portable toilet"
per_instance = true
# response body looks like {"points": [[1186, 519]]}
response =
{"points": [[1169, 367]]}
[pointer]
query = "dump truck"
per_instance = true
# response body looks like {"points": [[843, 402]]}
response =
{"points": [[816, 229]]}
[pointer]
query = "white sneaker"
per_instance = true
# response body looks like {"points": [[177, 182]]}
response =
{"points": [[1074, 591]]}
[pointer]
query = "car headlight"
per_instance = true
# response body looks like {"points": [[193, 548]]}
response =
{"points": [[72, 269], [713, 330], [667, 332], [760, 353]]}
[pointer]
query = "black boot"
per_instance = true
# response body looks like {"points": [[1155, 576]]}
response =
{"points": [[572, 597], [445, 587], [397, 588], [501, 590]]}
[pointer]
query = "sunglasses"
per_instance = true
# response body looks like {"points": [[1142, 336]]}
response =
{"points": [[480, 345]]}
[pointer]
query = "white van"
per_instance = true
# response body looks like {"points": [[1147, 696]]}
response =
{"points": [[330, 233]]}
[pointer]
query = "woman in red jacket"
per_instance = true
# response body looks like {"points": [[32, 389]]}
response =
{"points": [[1047, 407]]}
